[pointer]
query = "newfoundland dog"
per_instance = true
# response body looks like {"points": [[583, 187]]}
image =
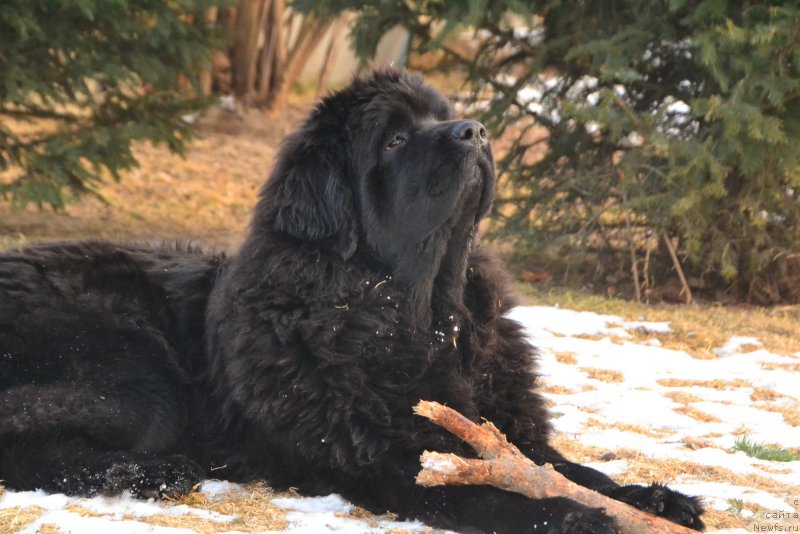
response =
{"points": [[359, 290]]}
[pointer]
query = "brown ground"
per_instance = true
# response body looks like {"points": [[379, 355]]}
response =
{"points": [[205, 197]]}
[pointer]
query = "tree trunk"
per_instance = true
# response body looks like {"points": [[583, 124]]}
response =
{"points": [[329, 60], [248, 27], [308, 38], [206, 78], [272, 59], [265, 70]]}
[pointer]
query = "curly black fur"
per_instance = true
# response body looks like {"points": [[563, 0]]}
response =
{"points": [[359, 290]]}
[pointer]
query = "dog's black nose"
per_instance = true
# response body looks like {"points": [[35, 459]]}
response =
{"points": [[470, 132]]}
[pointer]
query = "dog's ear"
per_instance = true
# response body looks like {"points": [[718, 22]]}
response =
{"points": [[310, 188]]}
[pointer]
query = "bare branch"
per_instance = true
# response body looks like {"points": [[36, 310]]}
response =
{"points": [[505, 467]]}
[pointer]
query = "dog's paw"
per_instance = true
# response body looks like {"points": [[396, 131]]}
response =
{"points": [[659, 500], [160, 478], [587, 521]]}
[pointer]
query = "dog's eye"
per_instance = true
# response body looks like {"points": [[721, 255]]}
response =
{"points": [[396, 140]]}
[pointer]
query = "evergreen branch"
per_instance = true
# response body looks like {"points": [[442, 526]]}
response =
{"points": [[32, 113]]}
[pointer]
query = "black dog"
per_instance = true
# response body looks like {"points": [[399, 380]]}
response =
{"points": [[359, 290]]}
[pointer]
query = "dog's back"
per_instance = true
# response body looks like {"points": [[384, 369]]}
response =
{"points": [[97, 339]]}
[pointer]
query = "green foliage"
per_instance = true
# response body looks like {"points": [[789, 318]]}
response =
{"points": [[736, 506], [80, 80], [764, 452], [671, 118]]}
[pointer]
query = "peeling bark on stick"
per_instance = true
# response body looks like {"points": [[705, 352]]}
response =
{"points": [[502, 465]]}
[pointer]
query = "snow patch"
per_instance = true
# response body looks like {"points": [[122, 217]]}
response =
{"points": [[440, 463], [735, 344], [330, 504], [219, 489]]}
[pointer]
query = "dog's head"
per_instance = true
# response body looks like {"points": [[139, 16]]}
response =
{"points": [[381, 167], [380, 170]]}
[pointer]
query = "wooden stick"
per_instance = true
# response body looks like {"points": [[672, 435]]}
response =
{"points": [[631, 245], [647, 274], [505, 467], [686, 291]]}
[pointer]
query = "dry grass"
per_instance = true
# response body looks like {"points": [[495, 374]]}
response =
{"points": [[696, 414], [791, 414], [772, 468], [205, 197], [682, 397], [685, 399], [567, 358], [627, 427], [712, 384], [695, 443], [697, 328], [754, 507], [253, 508], [790, 367], [765, 394], [643, 469], [748, 347], [81, 511], [556, 389], [15, 519], [603, 375], [619, 340], [202, 526]]}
